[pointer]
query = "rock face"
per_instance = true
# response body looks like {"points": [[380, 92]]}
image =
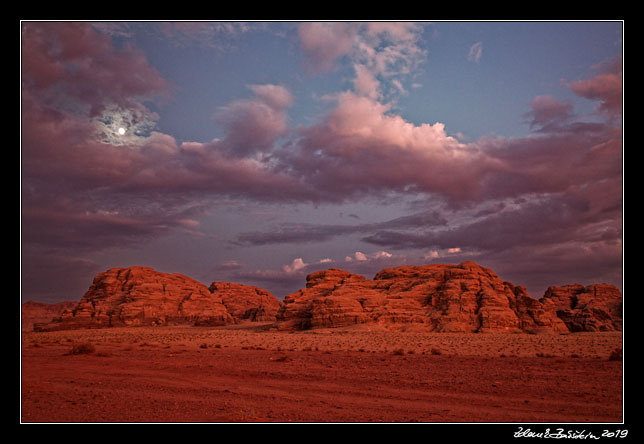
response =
{"points": [[440, 298], [245, 302], [465, 298], [142, 296], [595, 307], [38, 312]]}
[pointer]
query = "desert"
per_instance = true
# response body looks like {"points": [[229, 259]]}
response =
{"points": [[250, 374], [105, 360]]}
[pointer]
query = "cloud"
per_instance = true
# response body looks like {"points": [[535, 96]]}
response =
{"points": [[362, 257], [580, 213], [360, 148], [549, 232], [324, 43], [379, 53], [547, 111], [73, 65], [294, 266], [217, 35], [476, 52], [305, 233], [359, 256], [291, 277], [254, 125], [228, 266], [605, 87]]}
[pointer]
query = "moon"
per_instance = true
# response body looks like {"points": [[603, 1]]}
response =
{"points": [[121, 131]]}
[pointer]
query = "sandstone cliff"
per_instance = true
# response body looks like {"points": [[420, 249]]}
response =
{"points": [[595, 307], [142, 296], [245, 302], [440, 298]]}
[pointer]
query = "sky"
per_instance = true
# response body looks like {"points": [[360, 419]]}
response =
{"points": [[259, 152]]}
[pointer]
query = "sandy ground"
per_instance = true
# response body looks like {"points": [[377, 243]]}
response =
{"points": [[248, 373]]}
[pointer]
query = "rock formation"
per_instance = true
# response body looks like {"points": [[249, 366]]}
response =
{"points": [[245, 302], [595, 307], [437, 298], [142, 296], [440, 298], [39, 312]]}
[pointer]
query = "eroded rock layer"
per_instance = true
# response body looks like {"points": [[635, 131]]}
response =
{"points": [[440, 298], [245, 302], [142, 296], [595, 307]]}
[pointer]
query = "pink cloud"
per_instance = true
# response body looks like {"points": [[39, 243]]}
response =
{"points": [[71, 60], [254, 125], [547, 110], [379, 52], [605, 87], [324, 43], [359, 148]]}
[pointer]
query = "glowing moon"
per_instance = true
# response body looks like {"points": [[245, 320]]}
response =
{"points": [[121, 131]]}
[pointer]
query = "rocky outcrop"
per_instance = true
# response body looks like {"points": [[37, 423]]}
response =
{"points": [[245, 302], [39, 312], [142, 296], [440, 298], [595, 307], [437, 298]]}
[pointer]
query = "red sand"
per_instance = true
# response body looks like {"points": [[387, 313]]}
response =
{"points": [[248, 374]]}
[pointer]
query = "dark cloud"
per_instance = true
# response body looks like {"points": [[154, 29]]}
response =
{"points": [[547, 111], [304, 233]]}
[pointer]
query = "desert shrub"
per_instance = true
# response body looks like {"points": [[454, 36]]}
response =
{"points": [[84, 348], [616, 355], [544, 355], [204, 345], [436, 351], [399, 351]]}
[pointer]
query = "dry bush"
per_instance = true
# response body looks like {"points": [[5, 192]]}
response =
{"points": [[399, 351], [616, 355], [84, 348]]}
